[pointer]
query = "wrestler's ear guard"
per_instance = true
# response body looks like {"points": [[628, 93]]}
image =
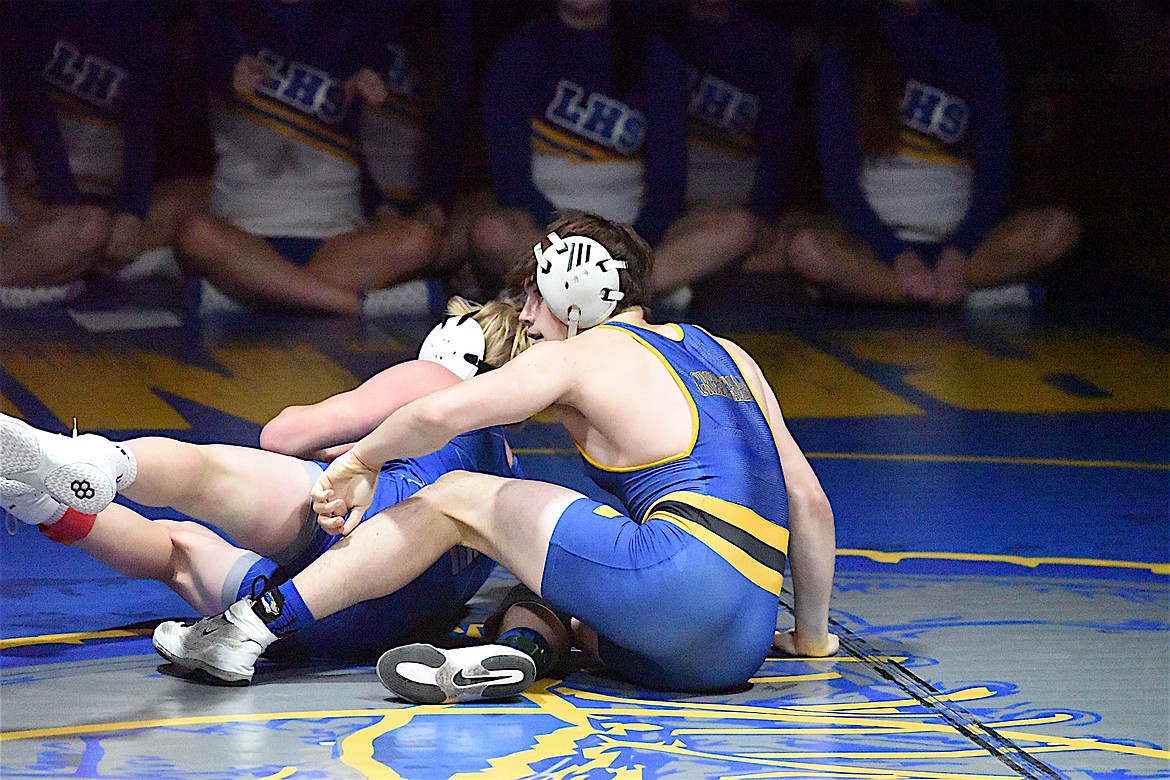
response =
{"points": [[457, 344], [578, 279]]}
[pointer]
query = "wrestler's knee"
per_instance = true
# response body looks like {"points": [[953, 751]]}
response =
{"points": [[186, 538], [466, 497]]}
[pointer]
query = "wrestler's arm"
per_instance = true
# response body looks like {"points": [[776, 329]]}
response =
{"points": [[812, 541], [326, 429], [530, 383]]}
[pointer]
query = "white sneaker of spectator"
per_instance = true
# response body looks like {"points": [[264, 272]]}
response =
{"points": [[156, 264], [206, 298], [413, 298], [677, 300], [1008, 296], [18, 298]]}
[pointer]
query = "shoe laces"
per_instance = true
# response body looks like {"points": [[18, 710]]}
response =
{"points": [[261, 580]]}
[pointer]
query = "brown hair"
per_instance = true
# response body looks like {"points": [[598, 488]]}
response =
{"points": [[504, 335], [619, 239]]}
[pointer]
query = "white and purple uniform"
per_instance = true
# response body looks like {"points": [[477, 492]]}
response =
{"points": [[947, 183], [559, 136], [740, 131], [88, 77], [410, 143], [288, 160]]}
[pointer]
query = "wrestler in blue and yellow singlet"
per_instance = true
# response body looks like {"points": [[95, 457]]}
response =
{"points": [[701, 552]]}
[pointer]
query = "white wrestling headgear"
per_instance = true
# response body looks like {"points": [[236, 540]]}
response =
{"points": [[578, 278], [457, 344]]}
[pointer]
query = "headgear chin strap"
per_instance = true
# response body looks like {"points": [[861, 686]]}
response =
{"points": [[457, 344], [578, 279]]}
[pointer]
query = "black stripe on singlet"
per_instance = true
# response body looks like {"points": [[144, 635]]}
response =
{"points": [[763, 553]]}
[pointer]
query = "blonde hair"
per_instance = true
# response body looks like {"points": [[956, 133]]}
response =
{"points": [[504, 335]]}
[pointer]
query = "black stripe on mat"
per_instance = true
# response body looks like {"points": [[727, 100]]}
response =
{"points": [[1008, 752]]}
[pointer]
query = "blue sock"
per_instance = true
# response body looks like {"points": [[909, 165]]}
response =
{"points": [[283, 610], [531, 643]]}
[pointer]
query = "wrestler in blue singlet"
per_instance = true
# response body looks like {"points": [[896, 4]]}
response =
{"points": [[700, 555], [434, 601]]}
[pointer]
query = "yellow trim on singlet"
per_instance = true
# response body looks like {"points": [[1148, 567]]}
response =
{"points": [[606, 511], [681, 386], [741, 517]]}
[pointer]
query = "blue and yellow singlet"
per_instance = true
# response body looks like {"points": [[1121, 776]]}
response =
{"points": [[741, 513]]}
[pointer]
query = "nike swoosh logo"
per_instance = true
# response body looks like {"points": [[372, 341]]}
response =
{"points": [[464, 682], [211, 630]]}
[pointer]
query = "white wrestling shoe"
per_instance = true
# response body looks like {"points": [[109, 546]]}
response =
{"points": [[82, 472], [425, 674], [225, 646], [34, 507]]}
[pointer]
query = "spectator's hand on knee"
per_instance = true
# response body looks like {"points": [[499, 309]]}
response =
{"points": [[915, 278], [367, 85], [249, 74], [768, 252], [125, 242], [950, 277], [433, 216]]}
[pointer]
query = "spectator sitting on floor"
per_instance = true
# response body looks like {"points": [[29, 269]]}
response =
{"points": [[88, 78], [286, 228], [595, 122], [915, 155]]}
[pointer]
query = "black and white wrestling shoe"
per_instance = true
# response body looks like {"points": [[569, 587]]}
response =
{"points": [[425, 674]]}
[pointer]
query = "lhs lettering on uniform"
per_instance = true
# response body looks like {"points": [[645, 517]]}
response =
{"points": [[600, 118], [90, 78], [718, 103], [730, 386], [307, 89], [933, 112]]}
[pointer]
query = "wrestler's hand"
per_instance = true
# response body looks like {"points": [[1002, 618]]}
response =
{"points": [[343, 494], [788, 643]]}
